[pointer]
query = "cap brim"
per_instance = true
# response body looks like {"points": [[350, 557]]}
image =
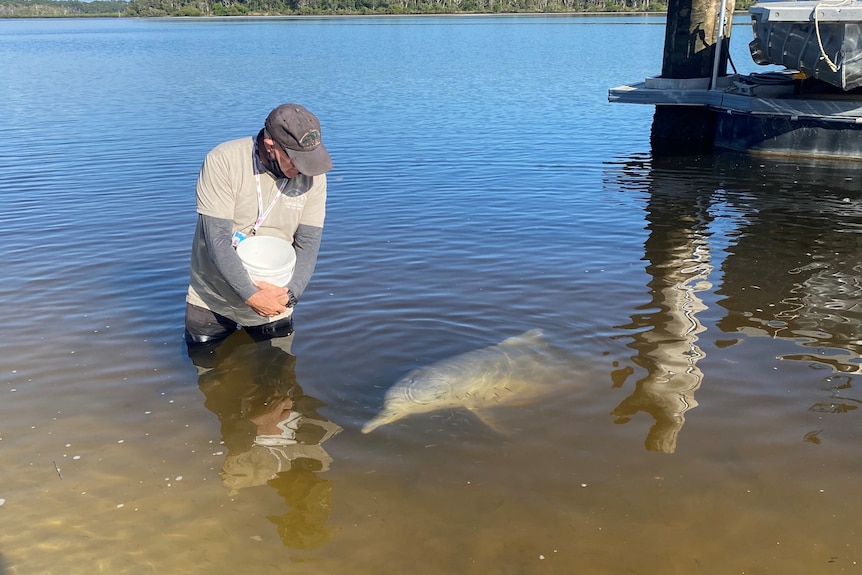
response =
{"points": [[311, 163]]}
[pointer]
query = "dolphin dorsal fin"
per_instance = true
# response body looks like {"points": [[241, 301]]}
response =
{"points": [[534, 335]]}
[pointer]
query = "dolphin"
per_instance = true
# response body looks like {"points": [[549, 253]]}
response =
{"points": [[515, 372]]}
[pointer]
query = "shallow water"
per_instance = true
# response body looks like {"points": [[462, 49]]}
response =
{"points": [[483, 187]]}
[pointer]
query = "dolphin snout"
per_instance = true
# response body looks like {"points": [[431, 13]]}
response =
{"points": [[382, 419]]}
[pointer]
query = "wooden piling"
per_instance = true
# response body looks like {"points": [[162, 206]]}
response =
{"points": [[690, 46]]}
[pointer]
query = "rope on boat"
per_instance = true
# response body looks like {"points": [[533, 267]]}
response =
{"points": [[832, 66]]}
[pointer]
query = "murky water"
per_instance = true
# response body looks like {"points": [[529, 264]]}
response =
{"points": [[483, 187]]}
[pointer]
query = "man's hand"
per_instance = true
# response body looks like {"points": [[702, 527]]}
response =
{"points": [[269, 300]]}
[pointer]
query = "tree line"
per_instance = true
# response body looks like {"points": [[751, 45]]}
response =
{"points": [[320, 7], [157, 8], [65, 8]]}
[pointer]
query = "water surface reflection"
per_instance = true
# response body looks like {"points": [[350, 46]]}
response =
{"points": [[273, 433], [789, 268], [678, 256]]}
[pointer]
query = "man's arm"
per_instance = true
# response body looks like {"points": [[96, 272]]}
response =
{"points": [[266, 299], [217, 236], [306, 242]]}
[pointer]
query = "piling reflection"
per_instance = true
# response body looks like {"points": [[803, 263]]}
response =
{"points": [[273, 433], [665, 338], [790, 268]]}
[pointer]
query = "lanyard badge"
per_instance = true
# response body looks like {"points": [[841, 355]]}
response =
{"points": [[238, 236]]}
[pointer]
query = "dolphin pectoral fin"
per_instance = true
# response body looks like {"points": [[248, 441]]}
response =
{"points": [[489, 420]]}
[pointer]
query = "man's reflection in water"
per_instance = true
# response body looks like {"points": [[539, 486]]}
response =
{"points": [[272, 431]]}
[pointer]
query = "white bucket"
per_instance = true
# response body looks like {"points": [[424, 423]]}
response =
{"points": [[267, 258]]}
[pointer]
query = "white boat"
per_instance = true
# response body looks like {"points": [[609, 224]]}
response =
{"points": [[822, 40], [810, 108]]}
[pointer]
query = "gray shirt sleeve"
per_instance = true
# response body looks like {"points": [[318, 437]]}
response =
{"points": [[306, 242], [217, 237]]}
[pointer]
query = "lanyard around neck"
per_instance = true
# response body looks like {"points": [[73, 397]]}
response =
{"points": [[261, 214]]}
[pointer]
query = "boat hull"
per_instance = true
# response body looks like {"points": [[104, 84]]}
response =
{"points": [[760, 115], [788, 137]]}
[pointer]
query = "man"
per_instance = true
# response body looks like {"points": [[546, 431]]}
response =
{"points": [[272, 185]]}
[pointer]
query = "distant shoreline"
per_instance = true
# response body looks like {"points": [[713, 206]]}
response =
{"points": [[317, 16], [406, 15]]}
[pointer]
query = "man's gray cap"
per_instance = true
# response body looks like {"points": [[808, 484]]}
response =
{"points": [[298, 131]]}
